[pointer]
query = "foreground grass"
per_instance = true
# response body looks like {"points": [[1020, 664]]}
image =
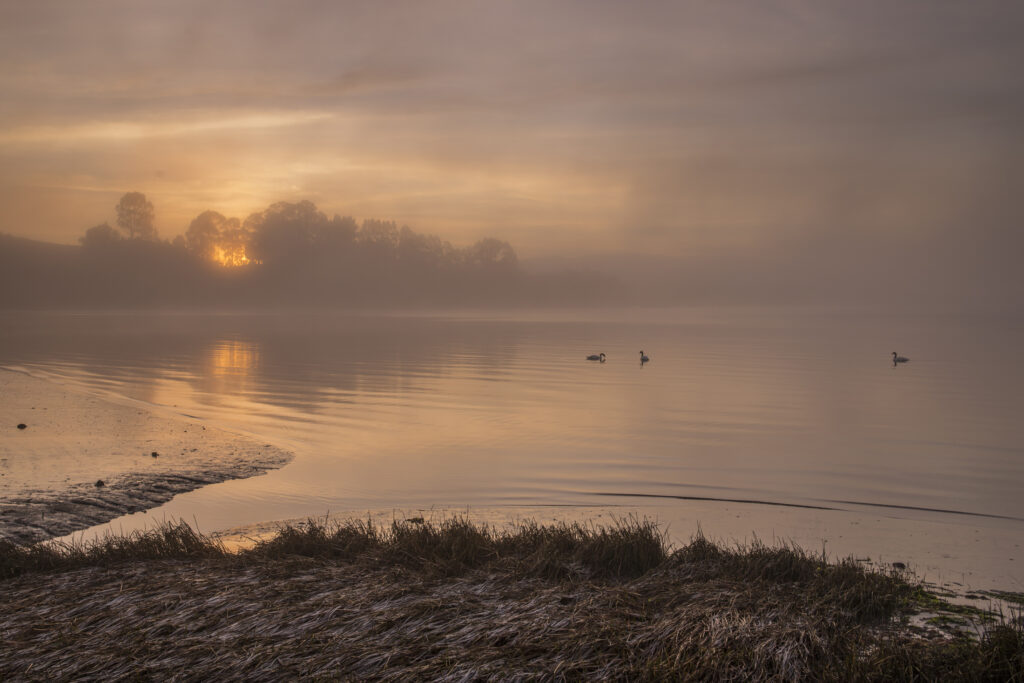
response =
{"points": [[462, 601]]}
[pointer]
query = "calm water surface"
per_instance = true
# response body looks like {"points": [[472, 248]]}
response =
{"points": [[798, 408]]}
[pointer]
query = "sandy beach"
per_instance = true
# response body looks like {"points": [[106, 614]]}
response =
{"points": [[72, 440]]}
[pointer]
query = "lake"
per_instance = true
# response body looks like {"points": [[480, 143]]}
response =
{"points": [[782, 422]]}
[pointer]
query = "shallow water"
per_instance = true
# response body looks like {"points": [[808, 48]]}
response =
{"points": [[747, 407]]}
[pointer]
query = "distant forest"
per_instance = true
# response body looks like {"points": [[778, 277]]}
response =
{"points": [[290, 255]]}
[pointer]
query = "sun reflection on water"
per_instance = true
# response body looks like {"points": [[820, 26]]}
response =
{"points": [[230, 369], [233, 358]]}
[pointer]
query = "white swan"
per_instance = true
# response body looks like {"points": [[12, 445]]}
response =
{"points": [[896, 358], [643, 358], [596, 356]]}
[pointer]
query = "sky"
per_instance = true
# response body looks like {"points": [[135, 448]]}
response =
{"points": [[783, 142]]}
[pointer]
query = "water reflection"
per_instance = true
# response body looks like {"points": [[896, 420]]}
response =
{"points": [[402, 411], [233, 358], [294, 361], [231, 367]]}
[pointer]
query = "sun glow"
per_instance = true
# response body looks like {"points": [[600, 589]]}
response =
{"points": [[231, 258]]}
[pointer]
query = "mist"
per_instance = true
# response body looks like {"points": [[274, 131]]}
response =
{"points": [[290, 256], [693, 153]]}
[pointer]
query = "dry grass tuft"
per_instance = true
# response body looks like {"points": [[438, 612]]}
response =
{"points": [[455, 545], [457, 601], [166, 542]]}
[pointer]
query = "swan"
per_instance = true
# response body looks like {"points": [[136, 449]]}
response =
{"points": [[896, 358], [643, 358], [596, 356]]}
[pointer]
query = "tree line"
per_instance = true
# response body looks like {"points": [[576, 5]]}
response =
{"points": [[286, 232], [292, 252]]}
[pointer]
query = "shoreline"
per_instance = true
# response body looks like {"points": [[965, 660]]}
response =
{"points": [[72, 440]]}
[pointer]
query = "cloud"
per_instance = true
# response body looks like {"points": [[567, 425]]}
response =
{"points": [[119, 131]]}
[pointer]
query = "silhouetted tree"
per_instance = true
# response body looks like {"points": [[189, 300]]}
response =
{"points": [[491, 252], [382, 235], [203, 233], [234, 243], [99, 236], [296, 253], [286, 231], [135, 216], [293, 253], [415, 249], [337, 234]]}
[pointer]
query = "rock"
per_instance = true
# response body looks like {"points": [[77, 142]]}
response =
{"points": [[898, 565], [22, 426], [99, 483]]}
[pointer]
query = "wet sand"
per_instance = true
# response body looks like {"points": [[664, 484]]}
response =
{"points": [[72, 440]]}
